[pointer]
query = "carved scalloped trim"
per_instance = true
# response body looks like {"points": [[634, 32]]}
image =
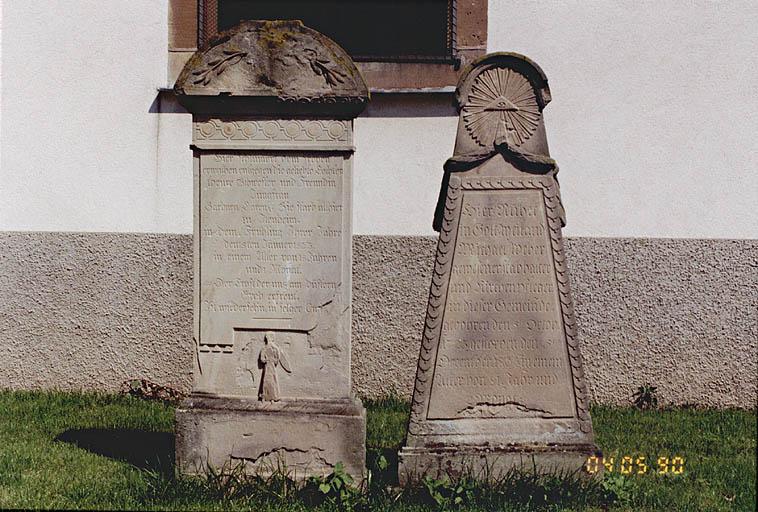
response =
{"points": [[441, 277], [274, 130], [435, 307], [322, 99]]}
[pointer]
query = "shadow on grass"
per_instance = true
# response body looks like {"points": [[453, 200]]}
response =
{"points": [[153, 451], [388, 474]]}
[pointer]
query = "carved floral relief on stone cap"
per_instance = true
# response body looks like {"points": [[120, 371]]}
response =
{"points": [[282, 60]]}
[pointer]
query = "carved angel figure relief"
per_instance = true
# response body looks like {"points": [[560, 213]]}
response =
{"points": [[270, 357], [502, 106]]}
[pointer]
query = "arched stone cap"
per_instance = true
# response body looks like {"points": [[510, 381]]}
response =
{"points": [[504, 60], [500, 99], [272, 67]]}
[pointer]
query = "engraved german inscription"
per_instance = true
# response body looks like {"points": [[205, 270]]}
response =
{"points": [[271, 240], [502, 352]]}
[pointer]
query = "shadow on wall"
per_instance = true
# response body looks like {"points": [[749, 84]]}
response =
{"points": [[153, 451], [165, 102], [424, 104]]}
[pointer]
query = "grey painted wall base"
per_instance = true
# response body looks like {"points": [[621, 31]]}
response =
{"points": [[90, 310]]}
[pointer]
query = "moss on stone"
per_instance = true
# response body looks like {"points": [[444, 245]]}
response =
{"points": [[275, 34]]}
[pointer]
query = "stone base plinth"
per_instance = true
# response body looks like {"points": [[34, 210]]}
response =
{"points": [[300, 437], [490, 464]]}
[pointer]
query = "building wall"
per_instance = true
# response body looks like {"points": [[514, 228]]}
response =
{"points": [[652, 123], [88, 311], [84, 147]]}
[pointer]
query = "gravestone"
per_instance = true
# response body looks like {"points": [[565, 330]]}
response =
{"points": [[272, 108], [499, 381]]}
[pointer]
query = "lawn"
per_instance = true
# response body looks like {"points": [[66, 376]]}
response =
{"points": [[90, 451]]}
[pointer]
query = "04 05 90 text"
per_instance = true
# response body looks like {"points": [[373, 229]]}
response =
{"points": [[636, 465]]}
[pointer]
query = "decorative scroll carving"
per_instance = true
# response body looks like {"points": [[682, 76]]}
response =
{"points": [[436, 306], [216, 348], [274, 130], [217, 66], [441, 277], [269, 65], [248, 366], [502, 106]]}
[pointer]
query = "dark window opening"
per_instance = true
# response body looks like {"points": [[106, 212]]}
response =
{"points": [[370, 30]]}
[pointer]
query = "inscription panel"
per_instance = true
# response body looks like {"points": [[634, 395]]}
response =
{"points": [[273, 232], [502, 350]]}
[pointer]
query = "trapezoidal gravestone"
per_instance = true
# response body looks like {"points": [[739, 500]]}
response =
{"points": [[273, 105], [499, 382]]}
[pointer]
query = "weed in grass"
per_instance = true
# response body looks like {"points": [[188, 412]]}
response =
{"points": [[233, 488], [616, 488], [143, 388], [338, 488], [646, 397], [41, 468], [515, 490]]}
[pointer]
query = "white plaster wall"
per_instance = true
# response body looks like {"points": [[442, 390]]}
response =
{"points": [[653, 120], [652, 123], [83, 147], [654, 110], [401, 144], [1, 92]]}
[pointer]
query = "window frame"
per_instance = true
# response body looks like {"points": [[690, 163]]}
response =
{"points": [[208, 19], [467, 40]]}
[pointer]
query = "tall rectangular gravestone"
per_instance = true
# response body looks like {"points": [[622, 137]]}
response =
{"points": [[272, 105], [499, 381]]}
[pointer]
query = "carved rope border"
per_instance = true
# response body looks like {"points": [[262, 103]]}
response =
{"points": [[441, 277]]}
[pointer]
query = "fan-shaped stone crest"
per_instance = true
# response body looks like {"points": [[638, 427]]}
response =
{"points": [[502, 105]]}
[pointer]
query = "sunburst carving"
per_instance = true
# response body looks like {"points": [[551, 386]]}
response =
{"points": [[502, 104]]}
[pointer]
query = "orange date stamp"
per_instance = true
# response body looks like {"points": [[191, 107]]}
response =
{"points": [[635, 465]]}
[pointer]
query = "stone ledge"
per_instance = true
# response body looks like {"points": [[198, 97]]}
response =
{"points": [[300, 441], [346, 407], [491, 463]]}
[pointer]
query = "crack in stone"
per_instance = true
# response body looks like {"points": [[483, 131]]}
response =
{"points": [[277, 450], [314, 453], [197, 356], [494, 408]]}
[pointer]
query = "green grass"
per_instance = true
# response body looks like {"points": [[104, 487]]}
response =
{"points": [[93, 451], [718, 447]]}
